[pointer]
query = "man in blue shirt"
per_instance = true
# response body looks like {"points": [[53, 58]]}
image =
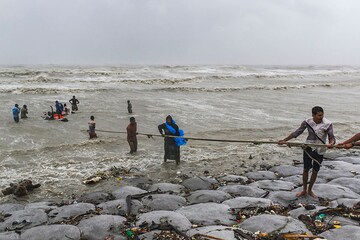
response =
{"points": [[59, 107], [16, 111]]}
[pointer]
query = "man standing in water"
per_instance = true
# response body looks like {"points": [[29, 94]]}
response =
{"points": [[131, 135], [59, 108], [24, 112], [129, 106], [318, 128], [91, 130], [74, 102], [16, 111]]}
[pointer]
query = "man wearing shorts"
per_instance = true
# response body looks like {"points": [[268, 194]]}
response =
{"points": [[318, 129]]}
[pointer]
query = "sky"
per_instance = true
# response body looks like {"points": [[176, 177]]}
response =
{"points": [[254, 32]]}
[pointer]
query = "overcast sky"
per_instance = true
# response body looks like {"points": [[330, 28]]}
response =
{"points": [[180, 32]]}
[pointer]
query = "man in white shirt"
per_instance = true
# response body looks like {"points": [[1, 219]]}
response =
{"points": [[318, 128]]}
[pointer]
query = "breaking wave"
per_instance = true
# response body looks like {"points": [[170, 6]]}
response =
{"points": [[299, 75], [164, 80], [39, 90], [203, 89], [171, 75], [45, 79], [23, 73]]}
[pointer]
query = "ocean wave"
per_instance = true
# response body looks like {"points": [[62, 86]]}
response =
{"points": [[158, 81], [176, 74], [23, 73], [99, 73], [45, 79], [163, 80], [216, 89], [107, 77], [296, 75], [39, 90]]}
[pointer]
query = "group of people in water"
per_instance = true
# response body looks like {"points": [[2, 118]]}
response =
{"points": [[60, 110], [16, 111], [167, 130], [319, 130]]}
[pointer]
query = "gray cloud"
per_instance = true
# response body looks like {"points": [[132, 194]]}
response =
{"points": [[179, 32]]}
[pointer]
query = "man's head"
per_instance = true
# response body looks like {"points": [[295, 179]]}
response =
{"points": [[73, 96], [317, 114], [128, 101], [132, 120], [16, 105], [92, 117]]}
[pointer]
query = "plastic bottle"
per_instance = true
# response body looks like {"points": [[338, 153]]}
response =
{"points": [[130, 234]]}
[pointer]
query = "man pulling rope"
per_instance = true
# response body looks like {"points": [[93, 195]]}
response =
{"points": [[318, 129]]}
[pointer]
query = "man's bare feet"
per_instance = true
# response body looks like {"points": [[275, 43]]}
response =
{"points": [[311, 194], [300, 194]]}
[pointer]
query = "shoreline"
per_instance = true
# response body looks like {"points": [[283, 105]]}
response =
{"points": [[256, 204]]}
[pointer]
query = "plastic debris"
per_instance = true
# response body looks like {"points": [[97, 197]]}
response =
{"points": [[336, 224], [92, 180], [321, 217], [167, 235], [295, 236], [129, 233], [114, 172]]}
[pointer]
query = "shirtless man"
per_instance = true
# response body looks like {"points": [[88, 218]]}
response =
{"points": [[131, 135], [92, 125], [74, 102]]}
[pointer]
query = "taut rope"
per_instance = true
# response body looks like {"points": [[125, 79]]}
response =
{"points": [[289, 144]]}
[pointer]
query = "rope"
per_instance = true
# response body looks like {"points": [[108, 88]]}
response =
{"points": [[289, 144]]}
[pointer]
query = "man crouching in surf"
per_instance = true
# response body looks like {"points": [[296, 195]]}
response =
{"points": [[318, 128]]}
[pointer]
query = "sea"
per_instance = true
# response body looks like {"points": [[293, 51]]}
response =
{"points": [[226, 102]]}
